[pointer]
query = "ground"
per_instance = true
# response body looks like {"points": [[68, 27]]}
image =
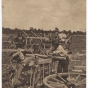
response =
{"points": [[78, 46]]}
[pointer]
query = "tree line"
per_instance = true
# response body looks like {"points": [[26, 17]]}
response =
{"points": [[16, 30]]}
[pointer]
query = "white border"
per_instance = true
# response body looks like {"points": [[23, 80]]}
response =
{"points": [[1, 42], [86, 43]]}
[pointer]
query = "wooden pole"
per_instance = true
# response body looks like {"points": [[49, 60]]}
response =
{"points": [[79, 71], [80, 67], [33, 80], [43, 71], [49, 68], [25, 33], [34, 34], [44, 43], [31, 77], [26, 44]]}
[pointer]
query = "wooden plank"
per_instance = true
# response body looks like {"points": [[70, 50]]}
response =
{"points": [[75, 60], [38, 37], [80, 67], [11, 50], [39, 55], [79, 55], [77, 70], [59, 58], [44, 61]]}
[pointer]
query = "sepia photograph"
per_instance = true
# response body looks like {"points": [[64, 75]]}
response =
{"points": [[43, 44]]}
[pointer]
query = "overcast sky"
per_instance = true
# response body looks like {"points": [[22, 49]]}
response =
{"points": [[44, 14]]}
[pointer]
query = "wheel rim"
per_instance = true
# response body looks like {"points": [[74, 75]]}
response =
{"points": [[73, 80]]}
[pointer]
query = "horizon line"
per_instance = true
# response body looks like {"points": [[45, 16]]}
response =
{"points": [[45, 29]]}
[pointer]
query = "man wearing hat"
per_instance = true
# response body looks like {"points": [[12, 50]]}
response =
{"points": [[19, 41], [55, 41]]}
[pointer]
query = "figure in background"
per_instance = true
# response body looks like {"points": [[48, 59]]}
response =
{"points": [[19, 41], [68, 40], [55, 42]]}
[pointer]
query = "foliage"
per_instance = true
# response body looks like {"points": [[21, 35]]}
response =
{"points": [[16, 30]]}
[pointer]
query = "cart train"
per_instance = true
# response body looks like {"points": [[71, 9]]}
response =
{"points": [[38, 70], [37, 65]]}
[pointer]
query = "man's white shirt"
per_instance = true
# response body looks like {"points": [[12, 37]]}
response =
{"points": [[60, 50]]}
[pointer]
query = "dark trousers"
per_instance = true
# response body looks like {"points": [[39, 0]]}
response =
{"points": [[62, 68], [63, 65]]}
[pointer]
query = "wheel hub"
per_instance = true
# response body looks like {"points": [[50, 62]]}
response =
{"points": [[70, 82], [71, 86]]}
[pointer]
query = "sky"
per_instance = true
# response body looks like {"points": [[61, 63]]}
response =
{"points": [[44, 14]]}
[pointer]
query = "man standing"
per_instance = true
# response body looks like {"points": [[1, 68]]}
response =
{"points": [[62, 51]]}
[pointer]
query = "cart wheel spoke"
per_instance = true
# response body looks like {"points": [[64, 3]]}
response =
{"points": [[82, 82], [52, 82], [62, 78], [78, 84], [77, 78], [56, 80]]}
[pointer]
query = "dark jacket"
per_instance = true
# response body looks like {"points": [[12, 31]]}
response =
{"points": [[18, 40]]}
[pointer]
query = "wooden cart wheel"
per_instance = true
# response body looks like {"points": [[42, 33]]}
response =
{"points": [[65, 80], [10, 42]]}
